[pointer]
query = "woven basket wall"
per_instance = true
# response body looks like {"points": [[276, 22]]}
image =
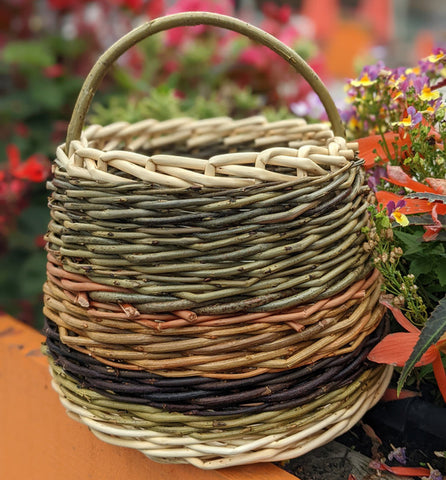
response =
{"points": [[208, 297]]}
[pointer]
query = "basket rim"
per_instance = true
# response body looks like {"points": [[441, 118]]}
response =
{"points": [[255, 151]]}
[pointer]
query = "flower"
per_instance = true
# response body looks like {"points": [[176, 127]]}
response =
{"points": [[14, 185], [413, 118], [54, 71], [310, 106], [176, 37], [396, 348], [375, 178], [155, 8], [393, 211], [364, 81], [427, 94], [398, 454], [415, 70], [278, 13], [434, 474], [34, 169], [435, 57], [412, 80]]}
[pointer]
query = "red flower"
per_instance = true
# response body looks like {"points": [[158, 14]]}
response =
{"points": [[54, 71], [396, 348], [34, 169]]}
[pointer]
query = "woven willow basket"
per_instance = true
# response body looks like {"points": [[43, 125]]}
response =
{"points": [[208, 297]]}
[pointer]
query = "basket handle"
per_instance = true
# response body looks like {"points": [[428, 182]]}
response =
{"points": [[183, 19]]}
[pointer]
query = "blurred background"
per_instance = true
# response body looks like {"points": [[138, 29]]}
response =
{"points": [[47, 48]]}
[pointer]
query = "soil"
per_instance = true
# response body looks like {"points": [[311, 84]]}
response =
{"points": [[386, 425]]}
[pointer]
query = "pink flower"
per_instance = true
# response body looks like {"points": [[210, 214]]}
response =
{"points": [[280, 14], [155, 9], [177, 36]]}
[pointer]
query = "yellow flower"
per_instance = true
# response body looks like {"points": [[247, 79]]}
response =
{"points": [[400, 218], [405, 122], [363, 82], [433, 58], [396, 81], [427, 94], [429, 110], [353, 123], [415, 70]]}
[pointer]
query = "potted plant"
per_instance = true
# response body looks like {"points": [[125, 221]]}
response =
{"points": [[399, 117]]}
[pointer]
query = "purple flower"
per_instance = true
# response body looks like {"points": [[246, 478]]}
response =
{"points": [[347, 113], [375, 178], [391, 207], [434, 475], [398, 454], [414, 115], [393, 212], [399, 71], [310, 106], [373, 71], [413, 118], [418, 82]]}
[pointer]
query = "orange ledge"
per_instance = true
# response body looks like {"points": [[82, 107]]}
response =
{"points": [[39, 441]]}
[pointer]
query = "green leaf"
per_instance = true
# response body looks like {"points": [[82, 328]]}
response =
{"points": [[440, 270], [434, 328], [46, 93], [28, 54], [421, 265], [411, 241]]}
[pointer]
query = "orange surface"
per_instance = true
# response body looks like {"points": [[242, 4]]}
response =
{"points": [[38, 441]]}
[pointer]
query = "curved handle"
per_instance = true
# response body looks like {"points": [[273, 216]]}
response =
{"points": [[183, 19]]}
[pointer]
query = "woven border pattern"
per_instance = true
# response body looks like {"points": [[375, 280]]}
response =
{"points": [[209, 397], [290, 149], [218, 347], [216, 443]]}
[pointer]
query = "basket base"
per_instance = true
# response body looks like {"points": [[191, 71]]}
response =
{"points": [[166, 448]]}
